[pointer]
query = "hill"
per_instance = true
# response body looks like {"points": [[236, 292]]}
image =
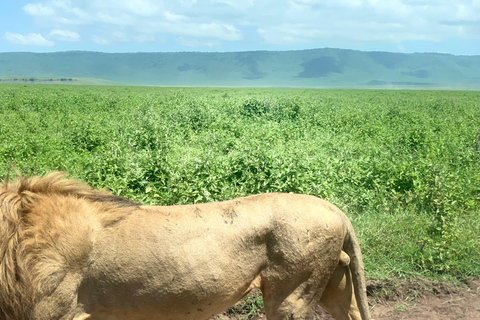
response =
{"points": [[333, 68]]}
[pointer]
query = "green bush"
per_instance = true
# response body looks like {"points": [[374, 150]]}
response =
{"points": [[404, 165]]}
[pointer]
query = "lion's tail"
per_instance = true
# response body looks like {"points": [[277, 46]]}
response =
{"points": [[352, 248]]}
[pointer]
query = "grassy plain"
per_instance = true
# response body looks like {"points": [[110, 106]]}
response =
{"points": [[404, 165]]}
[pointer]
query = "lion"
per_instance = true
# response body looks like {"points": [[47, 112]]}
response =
{"points": [[71, 252]]}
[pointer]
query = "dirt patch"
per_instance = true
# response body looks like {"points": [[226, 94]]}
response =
{"points": [[414, 299], [427, 300]]}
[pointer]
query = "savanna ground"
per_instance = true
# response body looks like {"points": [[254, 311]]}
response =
{"points": [[397, 300], [403, 165]]}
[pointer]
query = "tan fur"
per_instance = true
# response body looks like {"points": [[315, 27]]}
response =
{"points": [[70, 252]]}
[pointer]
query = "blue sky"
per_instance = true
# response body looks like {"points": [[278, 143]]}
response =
{"points": [[444, 26]]}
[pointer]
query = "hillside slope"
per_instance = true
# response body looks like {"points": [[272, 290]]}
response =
{"points": [[305, 68]]}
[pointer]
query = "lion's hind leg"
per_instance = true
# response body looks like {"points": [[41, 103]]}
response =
{"points": [[338, 297], [293, 302]]}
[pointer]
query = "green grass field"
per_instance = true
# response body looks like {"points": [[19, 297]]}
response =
{"points": [[403, 165]]}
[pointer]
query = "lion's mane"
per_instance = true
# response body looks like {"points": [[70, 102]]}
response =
{"points": [[35, 213]]}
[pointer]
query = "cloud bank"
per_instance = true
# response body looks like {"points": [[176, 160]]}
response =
{"points": [[34, 39], [211, 23]]}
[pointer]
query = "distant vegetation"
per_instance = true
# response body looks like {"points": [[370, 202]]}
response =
{"points": [[328, 68], [36, 80], [404, 165]]}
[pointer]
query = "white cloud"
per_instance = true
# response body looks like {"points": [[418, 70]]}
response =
{"points": [[174, 17], [191, 29], [39, 10], [119, 36], [32, 39], [282, 22], [144, 38], [117, 20], [219, 31], [194, 42], [64, 35], [351, 3], [146, 8], [100, 40], [237, 4], [124, 37], [188, 3], [363, 21], [292, 34]]}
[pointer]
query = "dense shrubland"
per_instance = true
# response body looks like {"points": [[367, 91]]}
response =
{"points": [[404, 165]]}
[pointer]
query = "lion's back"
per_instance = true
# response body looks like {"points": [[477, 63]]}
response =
{"points": [[193, 252]]}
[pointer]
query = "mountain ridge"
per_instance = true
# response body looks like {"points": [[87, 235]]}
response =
{"points": [[326, 67]]}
